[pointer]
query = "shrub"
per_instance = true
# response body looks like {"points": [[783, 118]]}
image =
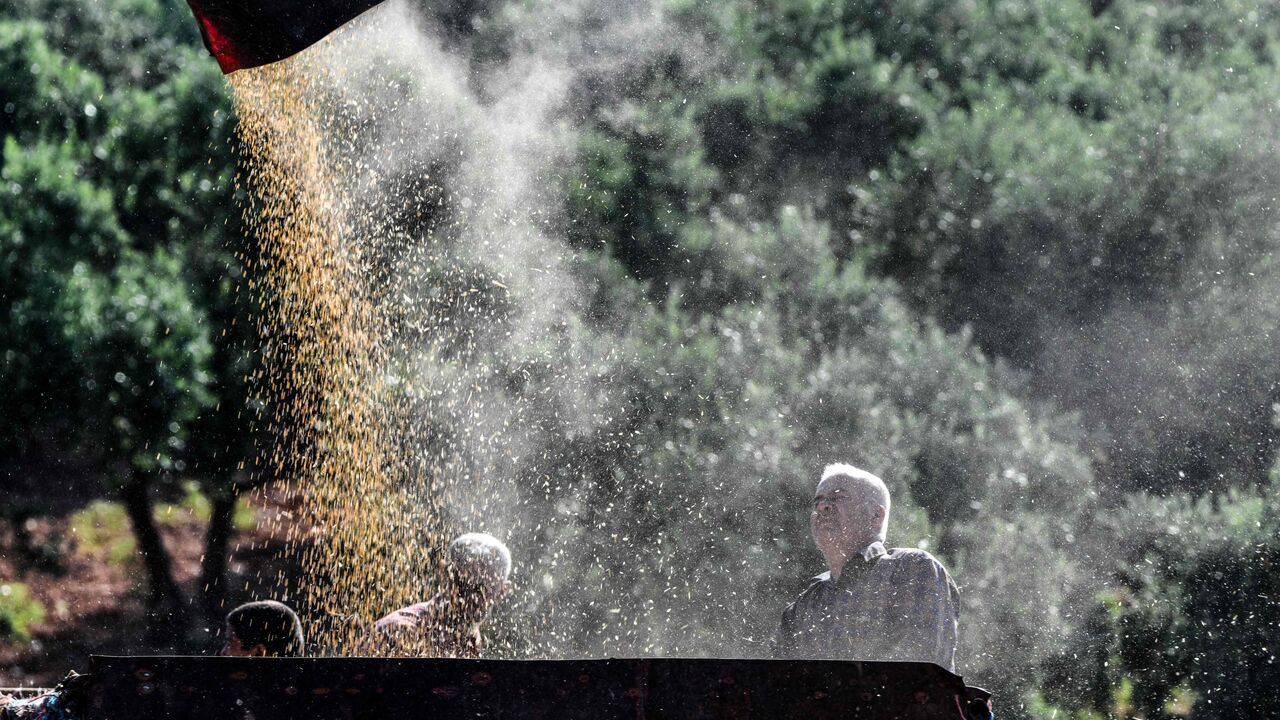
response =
{"points": [[18, 612], [101, 531]]}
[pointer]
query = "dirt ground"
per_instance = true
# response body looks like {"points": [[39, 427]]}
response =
{"points": [[80, 566]]}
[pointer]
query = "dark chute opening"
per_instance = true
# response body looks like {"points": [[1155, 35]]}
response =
{"points": [[248, 34]]}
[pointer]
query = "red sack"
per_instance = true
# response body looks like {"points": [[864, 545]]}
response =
{"points": [[248, 33]]}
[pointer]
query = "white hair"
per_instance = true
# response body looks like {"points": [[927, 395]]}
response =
{"points": [[873, 489], [482, 552]]}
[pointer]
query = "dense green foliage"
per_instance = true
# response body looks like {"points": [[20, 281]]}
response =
{"points": [[18, 610], [116, 263], [113, 223], [1016, 257]]}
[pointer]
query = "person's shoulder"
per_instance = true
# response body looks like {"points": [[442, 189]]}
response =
{"points": [[814, 583], [911, 554], [915, 558], [407, 616]]}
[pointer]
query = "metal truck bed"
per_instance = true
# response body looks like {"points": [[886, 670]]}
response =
{"points": [[215, 688]]}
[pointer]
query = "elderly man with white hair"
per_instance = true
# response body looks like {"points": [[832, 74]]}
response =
{"points": [[873, 603], [473, 580]]}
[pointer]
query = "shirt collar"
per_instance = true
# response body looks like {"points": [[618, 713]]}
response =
{"points": [[868, 553], [873, 551]]}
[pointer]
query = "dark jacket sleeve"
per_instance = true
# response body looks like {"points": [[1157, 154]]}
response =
{"points": [[930, 604]]}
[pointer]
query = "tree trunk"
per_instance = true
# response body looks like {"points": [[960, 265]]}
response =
{"points": [[164, 599], [213, 568]]}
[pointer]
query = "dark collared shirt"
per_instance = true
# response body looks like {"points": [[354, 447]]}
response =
{"points": [[897, 604]]}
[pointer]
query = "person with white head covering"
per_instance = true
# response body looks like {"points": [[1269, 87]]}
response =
{"points": [[474, 578], [873, 603]]}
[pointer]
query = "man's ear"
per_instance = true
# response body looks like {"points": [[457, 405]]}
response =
{"points": [[876, 515], [502, 591], [259, 650]]}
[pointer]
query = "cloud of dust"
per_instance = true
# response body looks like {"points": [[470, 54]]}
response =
{"points": [[452, 189]]}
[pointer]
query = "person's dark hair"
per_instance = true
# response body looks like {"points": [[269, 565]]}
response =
{"points": [[268, 623]]}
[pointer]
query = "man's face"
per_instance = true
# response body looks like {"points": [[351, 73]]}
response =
{"points": [[474, 591], [841, 520]]}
